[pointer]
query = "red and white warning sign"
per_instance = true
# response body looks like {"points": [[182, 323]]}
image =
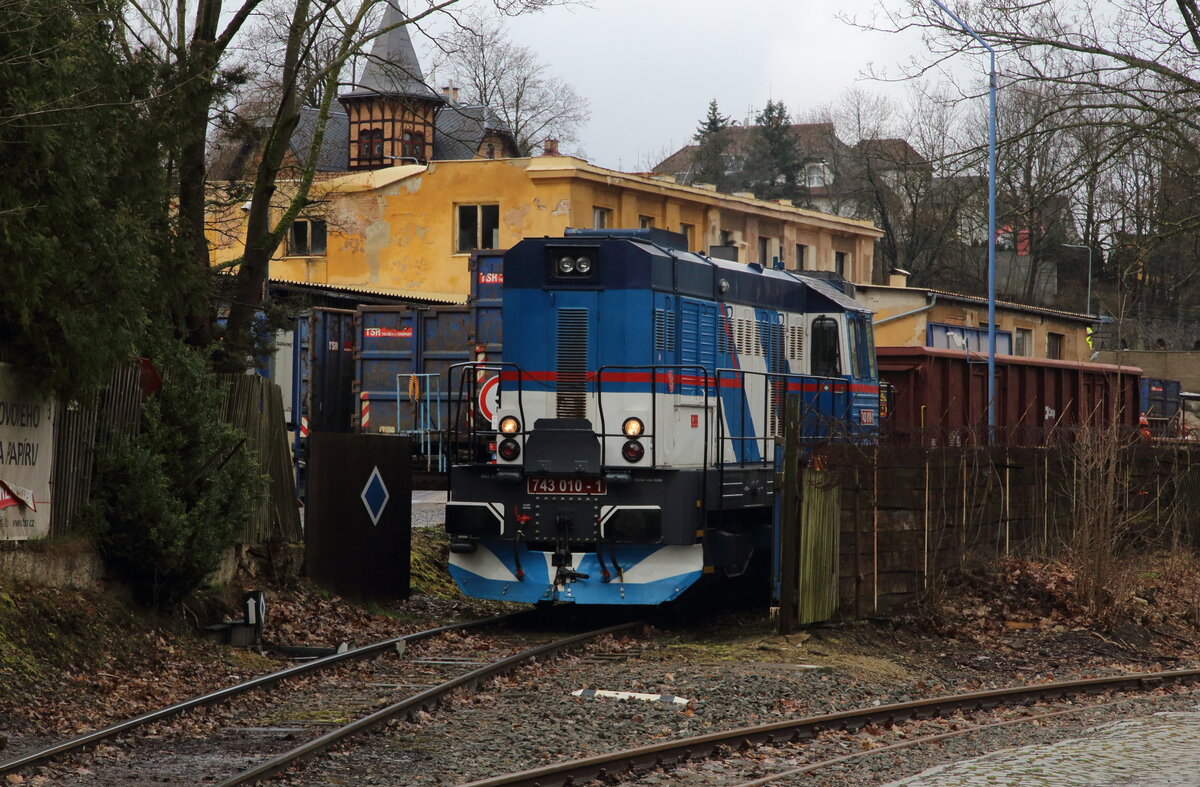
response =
{"points": [[489, 397]]}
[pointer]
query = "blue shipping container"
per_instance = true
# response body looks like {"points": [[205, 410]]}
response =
{"points": [[397, 342], [1160, 398]]}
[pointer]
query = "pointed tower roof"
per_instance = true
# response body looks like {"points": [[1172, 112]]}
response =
{"points": [[392, 67]]}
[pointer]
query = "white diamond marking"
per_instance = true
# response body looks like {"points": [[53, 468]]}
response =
{"points": [[375, 513]]}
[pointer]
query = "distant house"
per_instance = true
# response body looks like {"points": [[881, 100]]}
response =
{"points": [[820, 151], [926, 317]]}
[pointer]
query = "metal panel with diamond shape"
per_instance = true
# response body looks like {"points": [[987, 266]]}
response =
{"points": [[358, 518]]}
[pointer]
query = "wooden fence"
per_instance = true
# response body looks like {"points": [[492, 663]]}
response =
{"points": [[251, 403], [255, 406], [910, 515], [76, 434]]}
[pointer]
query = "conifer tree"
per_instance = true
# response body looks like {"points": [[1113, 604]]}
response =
{"points": [[710, 163], [773, 158]]}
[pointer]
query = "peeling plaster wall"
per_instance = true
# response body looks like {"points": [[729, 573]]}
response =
{"points": [[395, 229]]}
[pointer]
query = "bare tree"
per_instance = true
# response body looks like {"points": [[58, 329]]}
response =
{"points": [[494, 71], [1125, 82], [315, 41]]}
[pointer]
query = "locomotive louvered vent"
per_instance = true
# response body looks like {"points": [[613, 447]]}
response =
{"points": [[572, 363], [795, 342], [664, 330], [724, 340], [777, 352]]}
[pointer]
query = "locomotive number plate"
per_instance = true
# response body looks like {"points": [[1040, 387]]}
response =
{"points": [[566, 486]]}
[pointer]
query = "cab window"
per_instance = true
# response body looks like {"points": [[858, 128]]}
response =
{"points": [[826, 356]]}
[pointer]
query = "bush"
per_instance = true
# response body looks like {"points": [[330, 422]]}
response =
{"points": [[167, 503]]}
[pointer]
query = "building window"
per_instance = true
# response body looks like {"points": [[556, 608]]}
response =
{"points": [[960, 337], [1054, 346], [478, 227], [1023, 342], [816, 176], [601, 218], [412, 145], [490, 150], [370, 143], [306, 238], [688, 231], [800, 249], [764, 250], [726, 238], [840, 263], [646, 222]]}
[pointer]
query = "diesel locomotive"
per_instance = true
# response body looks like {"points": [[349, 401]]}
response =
{"points": [[627, 446]]}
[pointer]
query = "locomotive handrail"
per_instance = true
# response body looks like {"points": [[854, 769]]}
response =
{"points": [[653, 369], [838, 385], [471, 380]]}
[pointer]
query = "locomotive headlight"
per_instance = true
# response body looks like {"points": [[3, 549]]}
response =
{"points": [[509, 425], [633, 427], [566, 264], [583, 264], [633, 451], [508, 449]]}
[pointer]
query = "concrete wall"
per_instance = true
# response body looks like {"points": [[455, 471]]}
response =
{"points": [[1160, 364]]}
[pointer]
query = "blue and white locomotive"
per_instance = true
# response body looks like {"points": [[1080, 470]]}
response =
{"points": [[638, 431]]}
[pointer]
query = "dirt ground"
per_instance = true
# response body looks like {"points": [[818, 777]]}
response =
{"points": [[73, 661]]}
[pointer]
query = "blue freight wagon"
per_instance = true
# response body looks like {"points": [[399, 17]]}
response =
{"points": [[405, 353]]}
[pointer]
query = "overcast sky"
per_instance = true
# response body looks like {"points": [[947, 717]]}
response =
{"points": [[650, 67]]}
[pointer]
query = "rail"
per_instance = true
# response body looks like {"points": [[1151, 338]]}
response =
{"points": [[742, 397], [464, 420], [826, 408], [427, 698], [231, 691], [684, 382], [606, 766]]}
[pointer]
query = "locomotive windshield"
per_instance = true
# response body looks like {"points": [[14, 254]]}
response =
{"points": [[862, 347], [826, 359]]}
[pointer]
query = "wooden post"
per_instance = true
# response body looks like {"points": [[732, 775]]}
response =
{"points": [[789, 519]]}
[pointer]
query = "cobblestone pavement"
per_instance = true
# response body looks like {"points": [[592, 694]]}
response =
{"points": [[1163, 749]]}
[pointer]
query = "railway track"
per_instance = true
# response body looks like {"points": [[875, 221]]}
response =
{"points": [[614, 765], [368, 698]]}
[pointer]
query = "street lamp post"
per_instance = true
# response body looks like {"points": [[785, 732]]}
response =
{"points": [[991, 381], [1089, 276]]}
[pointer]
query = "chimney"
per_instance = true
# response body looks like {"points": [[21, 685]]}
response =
{"points": [[898, 277], [550, 148], [451, 94]]}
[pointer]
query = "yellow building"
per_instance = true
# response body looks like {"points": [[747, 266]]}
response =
{"points": [[920, 317], [409, 182], [409, 230]]}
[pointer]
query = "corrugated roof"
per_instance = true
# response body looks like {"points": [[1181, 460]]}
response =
{"points": [[385, 292], [1091, 318]]}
